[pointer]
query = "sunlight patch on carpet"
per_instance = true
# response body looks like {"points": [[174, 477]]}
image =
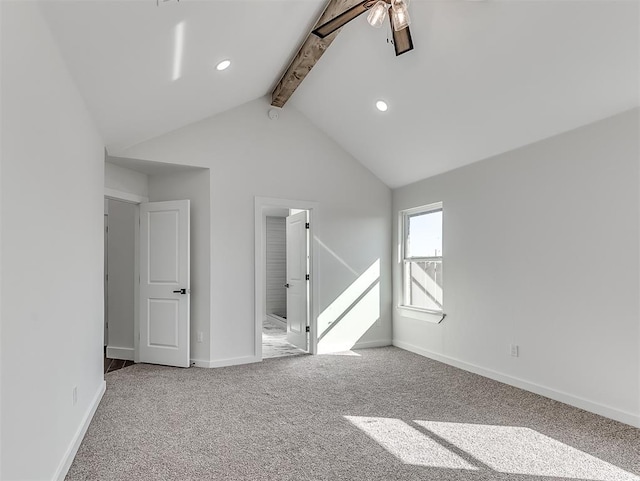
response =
{"points": [[408, 444], [520, 450]]}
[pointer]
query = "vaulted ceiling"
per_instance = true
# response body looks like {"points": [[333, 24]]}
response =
{"points": [[485, 77]]}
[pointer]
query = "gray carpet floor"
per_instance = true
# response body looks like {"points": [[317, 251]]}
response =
{"points": [[383, 414]]}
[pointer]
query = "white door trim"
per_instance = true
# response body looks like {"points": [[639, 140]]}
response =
{"points": [[133, 199], [261, 203], [124, 196]]}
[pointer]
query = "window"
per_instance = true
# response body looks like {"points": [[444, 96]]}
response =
{"points": [[422, 258]]}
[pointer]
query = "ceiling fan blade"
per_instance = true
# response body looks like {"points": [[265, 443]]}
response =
{"points": [[341, 20], [402, 41]]}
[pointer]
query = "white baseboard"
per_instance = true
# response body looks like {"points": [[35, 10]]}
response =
{"points": [[65, 464], [596, 408], [124, 353], [376, 343], [324, 348], [235, 361], [199, 363]]}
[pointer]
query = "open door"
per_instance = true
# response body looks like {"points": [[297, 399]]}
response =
{"points": [[164, 283], [297, 280]]}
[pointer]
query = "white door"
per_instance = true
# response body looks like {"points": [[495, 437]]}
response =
{"points": [[297, 280], [164, 283]]}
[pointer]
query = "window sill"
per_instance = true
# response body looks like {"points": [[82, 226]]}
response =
{"points": [[435, 317]]}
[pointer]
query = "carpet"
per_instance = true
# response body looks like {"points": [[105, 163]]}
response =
{"points": [[377, 414]]}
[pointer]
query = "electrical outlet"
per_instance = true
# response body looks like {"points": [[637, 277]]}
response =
{"points": [[200, 336], [75, 395], [515, 350]]}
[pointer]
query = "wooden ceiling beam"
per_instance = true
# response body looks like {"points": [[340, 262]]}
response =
{"points": [[308, 54]]}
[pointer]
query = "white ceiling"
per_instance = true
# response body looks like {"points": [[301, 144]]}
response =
{"points": [[121, 54], [484, 78]]}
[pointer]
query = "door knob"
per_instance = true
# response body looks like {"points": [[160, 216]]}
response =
{"points": [[287, 285], [181, 291]]}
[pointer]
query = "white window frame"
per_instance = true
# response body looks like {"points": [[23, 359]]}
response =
{"points": [[431, 315]]}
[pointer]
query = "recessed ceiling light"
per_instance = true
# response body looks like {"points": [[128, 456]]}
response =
{"points": [[382, 106], [223, 65]]}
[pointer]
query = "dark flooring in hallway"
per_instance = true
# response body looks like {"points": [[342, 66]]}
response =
{"points": [[115, 364]]}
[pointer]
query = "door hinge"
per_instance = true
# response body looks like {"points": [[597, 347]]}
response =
{"points": [[307, 277], [306, 225], [308, 330]]}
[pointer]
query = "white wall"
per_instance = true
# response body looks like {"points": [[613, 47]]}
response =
{"points": [[276, 265], [193, 185], [52, 241], [250, 155], [126, 180], [541, 249], [121, 248]]}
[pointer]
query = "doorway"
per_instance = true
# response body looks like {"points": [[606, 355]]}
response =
{"points": [[120, 301], [285, 291], [148, 183], [284, 328], [147, 283]]}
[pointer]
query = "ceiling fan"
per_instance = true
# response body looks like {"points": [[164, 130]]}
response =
{"points": [[398, 16]]}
